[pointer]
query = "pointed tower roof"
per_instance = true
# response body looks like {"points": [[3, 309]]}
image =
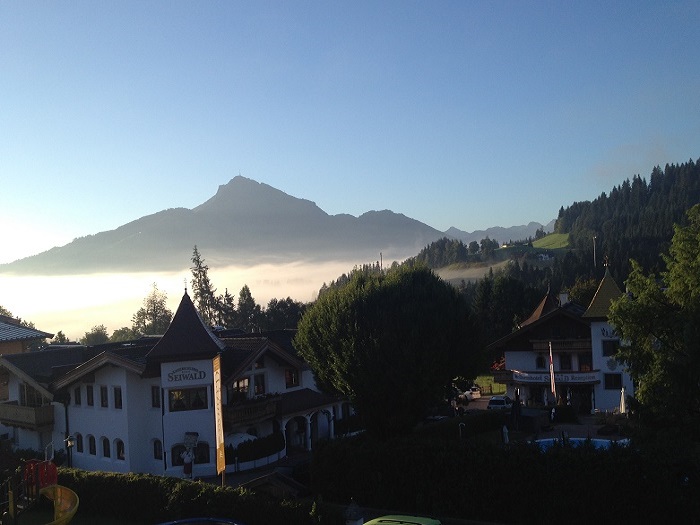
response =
{"points": [[548, 304], [186, 338], [606, 292]]}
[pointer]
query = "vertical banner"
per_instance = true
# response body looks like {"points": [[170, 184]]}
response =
{"points": [[552, 386], [218, 418]]}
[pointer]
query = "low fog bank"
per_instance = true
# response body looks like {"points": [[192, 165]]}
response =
{"points": [[74, 304]]}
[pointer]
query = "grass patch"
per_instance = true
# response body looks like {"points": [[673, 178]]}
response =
{"points": [[552, 241], [488, 386]]}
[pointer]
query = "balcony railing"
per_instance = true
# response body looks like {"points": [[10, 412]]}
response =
{"points": [[33, 418], [249, 412]]}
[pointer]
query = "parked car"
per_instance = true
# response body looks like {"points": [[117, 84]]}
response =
{"points": [[475, 392], [500, 403], [396, 519]]}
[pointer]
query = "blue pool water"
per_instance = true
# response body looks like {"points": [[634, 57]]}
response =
{"points": [[600, 444]]}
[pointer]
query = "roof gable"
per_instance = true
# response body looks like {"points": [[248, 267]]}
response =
{"points": [[242, 352], [548, 311], [94, 364]]}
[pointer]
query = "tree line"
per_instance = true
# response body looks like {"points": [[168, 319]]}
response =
{"points": [[216, 310]]}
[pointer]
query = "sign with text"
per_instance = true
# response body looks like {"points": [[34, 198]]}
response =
{"points": [[571, 377]]}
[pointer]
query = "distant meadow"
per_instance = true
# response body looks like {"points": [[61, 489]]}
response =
{"points": [[74, 304]]}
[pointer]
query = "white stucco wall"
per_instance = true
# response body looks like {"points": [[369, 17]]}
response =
{"points": [[182, 375], [607, 399]]}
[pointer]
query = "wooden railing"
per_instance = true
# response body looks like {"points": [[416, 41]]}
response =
{"points": [[249, 412], [34, 418]]}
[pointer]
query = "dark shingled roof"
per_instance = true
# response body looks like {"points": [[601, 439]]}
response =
{"points": [[604, 295], [303, 400], [186, 338], [46, 365], [548, 304], [11, 330]]}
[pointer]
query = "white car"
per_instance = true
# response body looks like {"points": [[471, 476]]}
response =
{"points": [[474, 392], [500, 403]]}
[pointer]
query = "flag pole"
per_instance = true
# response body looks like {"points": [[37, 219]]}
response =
{"points": [[552, 385]]}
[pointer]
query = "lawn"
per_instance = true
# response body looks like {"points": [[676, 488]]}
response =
{"points": [[552, 241], [488, 387]]}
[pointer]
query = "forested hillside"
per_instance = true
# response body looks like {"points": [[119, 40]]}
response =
{"points": [[635, 221]]}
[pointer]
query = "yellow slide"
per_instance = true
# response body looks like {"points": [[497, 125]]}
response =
{"points": [[65, 503]]}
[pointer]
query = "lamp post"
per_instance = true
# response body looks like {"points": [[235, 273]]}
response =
{"points": [[70, 443]]}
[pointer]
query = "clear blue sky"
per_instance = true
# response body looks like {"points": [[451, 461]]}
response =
{"points": [[468, 113]]}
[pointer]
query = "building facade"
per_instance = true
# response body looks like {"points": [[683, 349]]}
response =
{"points": [[149, 405], [582, 345]]}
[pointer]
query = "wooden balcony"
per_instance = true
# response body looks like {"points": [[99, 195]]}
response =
{"points": [[249, 412], [33, 418]]}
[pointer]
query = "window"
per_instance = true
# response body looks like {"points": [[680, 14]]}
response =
{"points": [[89, 395], [259, 384], [76, 396], [565, 361], [29, 396], [155, 396], [291, 377], [118, 397], [105, 447], [613, 381], [238, 391], [92, 447], [585, 362], [119, 448], [104, 397], [157, 449], [610, 347], [79, 442], [188, 399], [539, 361]]}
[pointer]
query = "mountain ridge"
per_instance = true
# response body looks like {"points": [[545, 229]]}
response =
{"points": [[247, 222]]}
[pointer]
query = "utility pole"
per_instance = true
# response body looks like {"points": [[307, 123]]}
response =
{"points": [[594, 261]]}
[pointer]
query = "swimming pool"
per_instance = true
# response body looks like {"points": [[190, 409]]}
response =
{"points": [[599, 444]]}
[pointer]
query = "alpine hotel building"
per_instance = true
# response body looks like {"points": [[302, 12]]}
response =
{"points": [[138, 406]]}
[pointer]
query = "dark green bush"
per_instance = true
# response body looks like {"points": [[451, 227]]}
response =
{"points": [[150, 499], [451, 479], [256, 448]]}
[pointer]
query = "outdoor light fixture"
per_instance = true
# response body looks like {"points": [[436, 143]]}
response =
{"points": [[70, 443]]}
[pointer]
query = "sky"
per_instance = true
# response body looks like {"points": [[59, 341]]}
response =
{"points": [[469, 114]]}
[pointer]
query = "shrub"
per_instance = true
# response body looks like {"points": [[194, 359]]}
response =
{"points": [[144, 498]]}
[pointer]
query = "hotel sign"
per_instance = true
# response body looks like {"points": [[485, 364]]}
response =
{"points": [[559, 377], [186, 373]]}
